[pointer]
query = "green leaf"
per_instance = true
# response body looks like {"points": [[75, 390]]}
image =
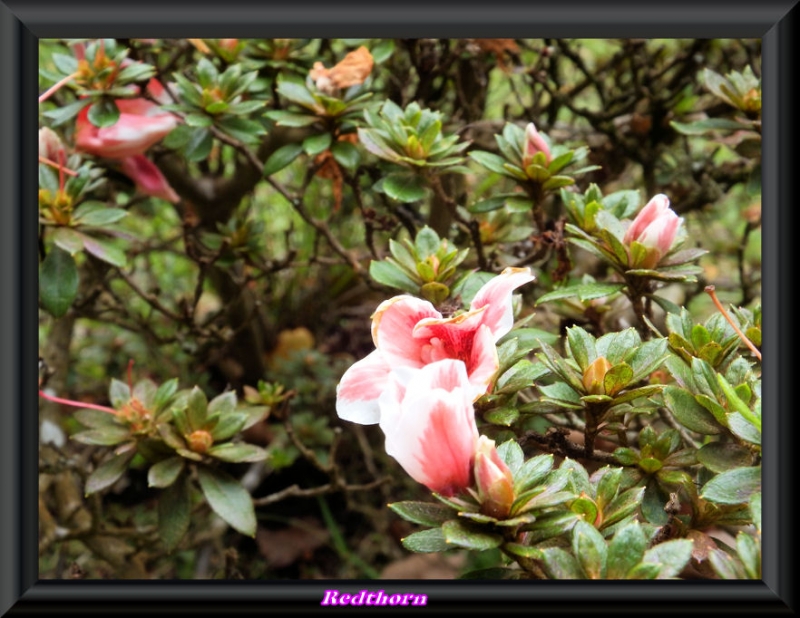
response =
{"points": [[315, 144], [174, 513], [58, 282], [487, 205], [617, 378], [282, 157], [229, 499], [584, 292], [96, 419], [291, 119], [581, 345], [165, 472], [197, 409], [755, 509], [404, 187], [103, 113], [721, 457], [622, 506], [346, 154], [710, 124], [229, 425], [392, 275], [238, 453], [65, 63], [99, 218], [104, 250], [560, 564], [62, 115], [689, 413], [108, 473], [490, 161], [532, 472], [426, 541], [671, 557], [68, 239], [462, 535], [724, 565], [223, 404], [198, 145], [626, 550], [733, 486], [425, 513], [750, 553], [590, 548], [511, 453], [107, 436]]}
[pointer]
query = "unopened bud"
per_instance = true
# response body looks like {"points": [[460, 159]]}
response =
{"points": [[494, 480], [200, 441], [594, 375]]}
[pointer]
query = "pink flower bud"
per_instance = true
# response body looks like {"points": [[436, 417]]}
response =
{"points": [[148, 178], [534, 143], [655, 227], [494, 480], [50, 145]]}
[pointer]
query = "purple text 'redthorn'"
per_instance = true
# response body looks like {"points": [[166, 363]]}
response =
{"points": [[365, 597]]}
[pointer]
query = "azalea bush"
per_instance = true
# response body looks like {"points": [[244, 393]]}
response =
{"points": [[509, 288]]}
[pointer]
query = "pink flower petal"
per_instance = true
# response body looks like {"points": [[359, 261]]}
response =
{"points": [[359, 389], [393, 325], [148, 178], [495, 295], [654, 209], [432, 432]]}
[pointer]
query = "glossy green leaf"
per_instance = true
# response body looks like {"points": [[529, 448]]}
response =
{"points": [[108, 473], [58, 282], [229, 499]]}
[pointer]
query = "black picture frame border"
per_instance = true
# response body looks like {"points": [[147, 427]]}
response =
{"points": [[22, 22]]}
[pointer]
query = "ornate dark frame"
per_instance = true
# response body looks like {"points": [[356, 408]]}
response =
{"points": [[22, 22]]}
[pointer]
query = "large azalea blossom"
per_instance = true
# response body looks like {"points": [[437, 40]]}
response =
{"points": [[141, 124], [410, 333], [429, 423]]}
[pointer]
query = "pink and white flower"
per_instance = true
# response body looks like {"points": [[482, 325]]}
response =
{"points": [[141, 124], [429, 424], [410, 333], [534, 143], [655, 227]]}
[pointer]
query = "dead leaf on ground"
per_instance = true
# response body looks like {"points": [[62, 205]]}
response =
{"points": [[283, 547], [425, 566]]}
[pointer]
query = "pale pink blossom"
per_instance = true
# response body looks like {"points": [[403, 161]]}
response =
{"points": [[148, 178], [655, 227], [50, 145], [429, 424], [534, 143], [493, 480], [141, 124], [410, 333]]}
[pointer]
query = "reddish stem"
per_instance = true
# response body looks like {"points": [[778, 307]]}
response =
{"points": [[710, 290]]}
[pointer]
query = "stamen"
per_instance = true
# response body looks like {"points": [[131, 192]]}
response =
{"points": [[57, 86], [76, 404]]}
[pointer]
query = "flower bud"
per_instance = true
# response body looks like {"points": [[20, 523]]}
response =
{"points": [[200, 441], [50, 145], [494, 480], [656, 228], [534, 143], [594, 374]]}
